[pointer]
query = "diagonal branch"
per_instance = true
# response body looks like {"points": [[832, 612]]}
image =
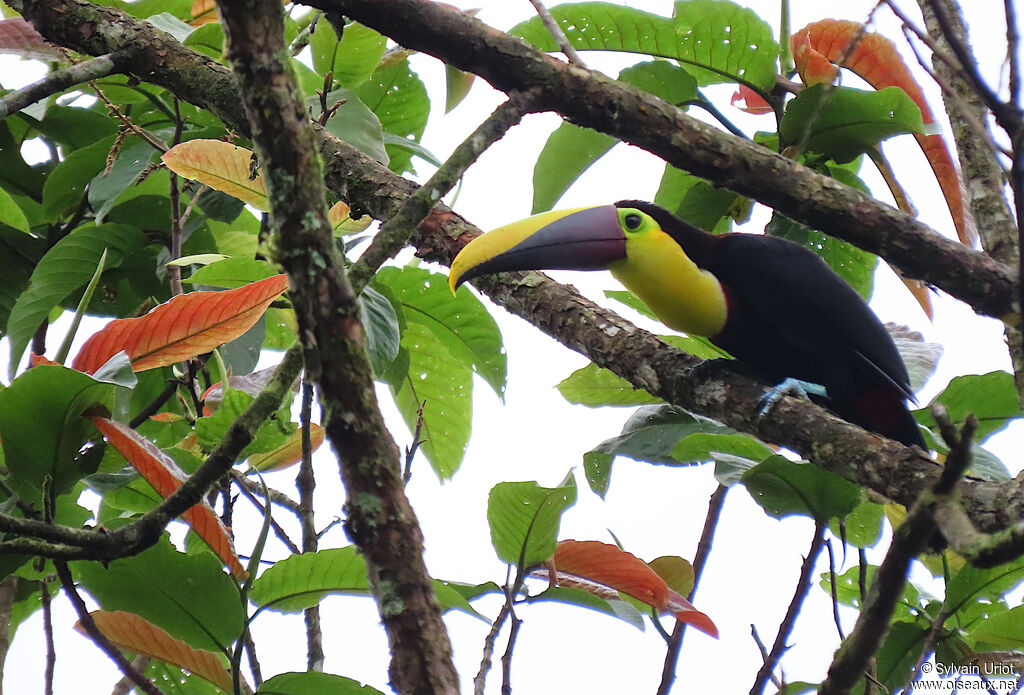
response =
{"points": [[596, 101], [58, 81]]}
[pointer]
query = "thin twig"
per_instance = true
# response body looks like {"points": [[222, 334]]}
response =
{"points": [[174, 270], [98, 638], [58, 81], [51, 651], [278, 530], [832, 588], [254, 662], [763, 650], [700, 558], [803, 586], [557, 34], [492, 635], [276, 496], [410, 451], [1012, 44], [395, 233], [305, 482], [116, 112], [506, 658]]}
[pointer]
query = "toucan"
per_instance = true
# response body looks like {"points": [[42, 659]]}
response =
{"points": [[771, 303]]}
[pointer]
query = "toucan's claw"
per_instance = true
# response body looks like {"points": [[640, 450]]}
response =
{"points": [[790, 387]]}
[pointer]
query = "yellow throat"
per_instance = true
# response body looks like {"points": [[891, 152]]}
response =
{"points": [[684, 297]]}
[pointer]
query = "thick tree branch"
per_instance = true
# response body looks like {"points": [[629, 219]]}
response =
{"points": [[380, 519], [596, 101]]}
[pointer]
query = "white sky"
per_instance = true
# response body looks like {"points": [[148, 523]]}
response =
{"points": [[537, 436]]}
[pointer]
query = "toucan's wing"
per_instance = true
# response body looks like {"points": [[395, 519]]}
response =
{"points": [[788, 293]]}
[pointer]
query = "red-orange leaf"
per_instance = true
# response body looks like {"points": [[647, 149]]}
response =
{"points": [[38, 360], [160, 471], [613, 567], [136, 634], [876, 60], [187, 325], [746, 99], [609, 565]]}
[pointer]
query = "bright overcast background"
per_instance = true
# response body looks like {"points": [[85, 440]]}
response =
{"points": [[536, 435]]}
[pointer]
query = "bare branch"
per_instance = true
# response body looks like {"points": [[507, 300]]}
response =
{"points": [[557, 34], [58, 81]]}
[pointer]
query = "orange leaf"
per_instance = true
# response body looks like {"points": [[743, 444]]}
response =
{"points": [[136, 634], [684, 612], [203, 12], [221, 166], [188, 325], [746, 99], [609, 565], [288, 453], [342, 222], [876, 60], [613, 567], [39, 359], [160, 471]]}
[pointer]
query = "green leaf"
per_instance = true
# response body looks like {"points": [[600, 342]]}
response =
{"points": [[595, 387], [66, 267], [207, 39], [584, 599], [652, 432], [161, 585], [105, 189], [75, 128], [231, 273], [972, 584], [301, 581], [42, 430], [314, 683], [863, 524], [991, 397], [457, 86], [569, 151], [843, 123], [524, 519], [352, 59], [383, 332], [66, 184], [399, 99], [855, 266], [898, 655], [461, 323], [443, 385], [11, 213], [356, 124], [782, 488], [848, 592], [271, 435], [732, 42], [1000, 631], [706, 446], [662, 79]]}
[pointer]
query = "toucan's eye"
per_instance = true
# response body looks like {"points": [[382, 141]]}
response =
{"points": [[633, 221]]}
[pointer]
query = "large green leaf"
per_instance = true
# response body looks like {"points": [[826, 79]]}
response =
{"points": [[399, 99], [105, 189], [352, 59], [69, 265], [189, 596], [75, 128], [1001, 631], [843, 123], [584, 599], [43, 431], [732, 43], [596, 387], [65, 186], [568, 152], [443, 385], [897, 657], [231, 273], [354, 123], [461, 323], [524, 519], [383, 329], [991, 397], [314, 683], [973, 584], [301, 581], [11, 213], [783, 488]]}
